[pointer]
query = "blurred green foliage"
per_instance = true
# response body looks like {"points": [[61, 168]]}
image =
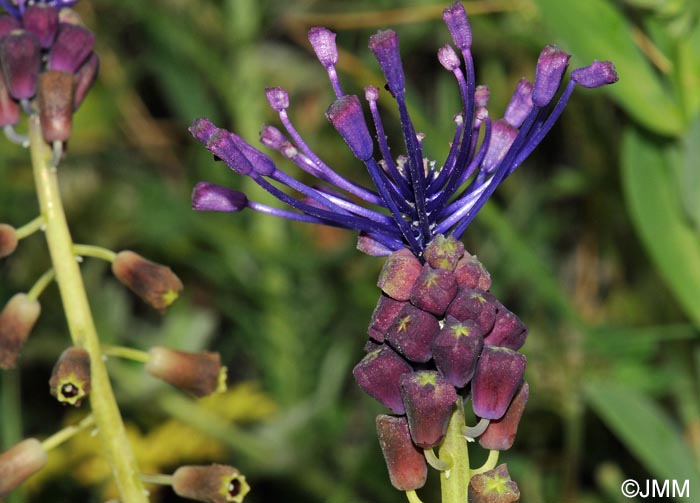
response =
{"points": [[594, 242]]}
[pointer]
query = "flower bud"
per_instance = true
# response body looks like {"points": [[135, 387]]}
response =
{"points": [[385, 46], [502, 137], [378, 375], [456, 349], [84, 78], [493, 486], [19, 463], [520, 104], [429, 400], [475, 305], [444, 252], [455, 18], [500, 433], [156, 284], [70, 379], [399, 273], [384, 314], [212, 484], [499, 374], [412, 332], [471, 273], [9, 108], [508, 330], [208, 196], [16, 322], [42, 20], [323, 42], [598, 73], [8, 240], [55, 93], [434, 290], [7, 24], [551, 66], [347, 118], [71, 48], [278, 98], [372, 247], [406, 463], [199, 374], [21, 59]]}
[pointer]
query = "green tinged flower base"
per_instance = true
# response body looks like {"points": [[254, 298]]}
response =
{"points": [[108, 419]]}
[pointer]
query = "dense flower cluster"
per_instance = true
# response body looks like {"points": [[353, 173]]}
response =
{"points": [[48, 65], [438, 334], [415, 199]]}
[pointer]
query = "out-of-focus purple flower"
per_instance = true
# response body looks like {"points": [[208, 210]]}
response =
{"points": [[48, 64], [413, 199]]}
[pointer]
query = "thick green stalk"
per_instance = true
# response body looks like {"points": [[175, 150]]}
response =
{"points": [[454, 482], [108, 419]]}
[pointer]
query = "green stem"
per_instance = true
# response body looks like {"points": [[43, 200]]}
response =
{"points": [[30, 228], [41, 284], [158, 478], [454, 482], [117, 449], [67, 433], [94, 251], [489, 464], [413, 497], [127, 353]]}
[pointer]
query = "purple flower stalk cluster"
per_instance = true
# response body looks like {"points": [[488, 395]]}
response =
{"points": [[413, 199], [48, 65]]}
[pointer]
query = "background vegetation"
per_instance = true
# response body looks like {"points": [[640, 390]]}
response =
{"points": [[594, 242]]}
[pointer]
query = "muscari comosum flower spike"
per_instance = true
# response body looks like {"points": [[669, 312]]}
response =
{"points": [[413, 200]]}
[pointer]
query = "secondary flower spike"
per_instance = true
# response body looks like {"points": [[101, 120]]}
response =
{"points": [[413, 199]]}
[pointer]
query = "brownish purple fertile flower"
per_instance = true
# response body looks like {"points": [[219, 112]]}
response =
{"points": [[493, 486], [70, 379], [8, 240], [156, 284], [429, 400], [475, 305], [199, 374], [500, 433], [16, 322], [19, 463], [434, 289], [399, 274], [412, 332], [210, 484], [384, 314], [499, 374], [378, 375], [456, 350], [408, 470]]}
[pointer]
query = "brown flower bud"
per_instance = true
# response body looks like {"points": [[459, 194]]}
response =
{"points": [[199, 374], [412, 332], [472, 274], [444, 252], [399, 274], [429, 400], [156, 284], [55, 92], [16, 322], [385, 312], [210, 484], [406, 463], [493, 486], [500, 433], [475, 305], [433, 290], [9, 108], [499, 374], [19, 463], [8, 240], [70, 379], [378, 375]]}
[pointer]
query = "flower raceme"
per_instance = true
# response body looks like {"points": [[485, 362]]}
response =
{"points": [[48, 64], [413, 200]]}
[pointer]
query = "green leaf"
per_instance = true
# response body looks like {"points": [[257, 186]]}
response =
{"points": [[645, 429], [658, 215], [595, 30], [685, 165]]}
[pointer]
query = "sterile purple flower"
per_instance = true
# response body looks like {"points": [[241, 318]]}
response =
{"points": [[413, 199]]}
